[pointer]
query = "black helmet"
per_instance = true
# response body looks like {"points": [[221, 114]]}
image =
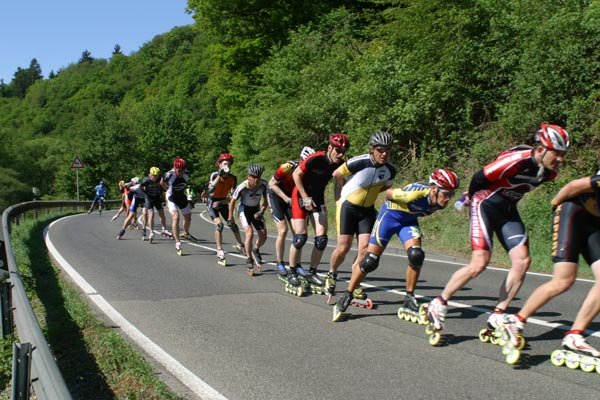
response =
{"points": [[255, 169], [381, 138]]}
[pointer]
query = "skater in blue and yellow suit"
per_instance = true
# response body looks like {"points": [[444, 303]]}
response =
{"points": [[399, 216]]}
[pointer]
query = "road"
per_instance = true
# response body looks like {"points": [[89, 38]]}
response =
{"points": [[225, 335]]}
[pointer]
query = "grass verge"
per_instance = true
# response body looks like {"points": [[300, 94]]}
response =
{"points": [[96, 362]]}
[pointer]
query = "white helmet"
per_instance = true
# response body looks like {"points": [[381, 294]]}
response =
{"points": [[306, 151]]}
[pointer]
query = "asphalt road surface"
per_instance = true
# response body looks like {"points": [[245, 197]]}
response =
{"points": [[217, 333]]}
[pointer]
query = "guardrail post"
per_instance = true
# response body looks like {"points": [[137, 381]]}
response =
{"points": [[6, 320], [21, 371]]}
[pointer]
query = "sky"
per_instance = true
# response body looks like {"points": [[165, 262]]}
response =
{"points": [[56, 33]]}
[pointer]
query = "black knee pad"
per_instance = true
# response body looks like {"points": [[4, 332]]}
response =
{"points": [[369, 263], [416, 256], [321, 242], [220, 227], [299, 240]]}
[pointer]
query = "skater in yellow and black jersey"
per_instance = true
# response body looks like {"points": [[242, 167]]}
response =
{"points": [[576, 231]]}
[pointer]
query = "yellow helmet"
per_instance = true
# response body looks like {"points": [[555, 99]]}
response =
{"points": [[154, 171]]}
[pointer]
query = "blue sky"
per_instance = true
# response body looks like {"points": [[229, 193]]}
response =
{"points": [[57, 32]]}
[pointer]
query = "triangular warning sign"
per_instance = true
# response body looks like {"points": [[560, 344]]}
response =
{"points": [[77, 164]]}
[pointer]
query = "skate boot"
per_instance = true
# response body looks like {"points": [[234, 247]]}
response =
{"points": [[310, 279], [221, 258], [330, 282], [166, 233], [293, 284], [493, 332], [410, 311], [341, 306], [89, 211], [282, 272], [178, 248], [249, 266], [143, 234], [100, 211], [151, 237], [257, 256], [120, 235], [115, 217], [436, 314], [510, 329], [576, 353], [240, 247], [359, 299]]}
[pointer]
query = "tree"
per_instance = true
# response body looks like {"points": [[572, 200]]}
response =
{"points": [[86, 57], [24, 78], [117, 49]]}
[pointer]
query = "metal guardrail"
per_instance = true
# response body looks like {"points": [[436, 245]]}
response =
{"points": [[45, 377]]}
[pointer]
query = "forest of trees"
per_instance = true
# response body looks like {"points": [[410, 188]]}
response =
{"points": [[455, 82]]}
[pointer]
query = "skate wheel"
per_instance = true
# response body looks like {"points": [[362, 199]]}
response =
{"points": [[503, 341], [494, 340], [507, 349], [557, 358], [429, 329], [522, 342], [369, 304], [400, 314], [423, 309], [513, 356], [423, 320], [414, 319], [249, 271], [572, 361], [435, 338], [483, 336], [588, 364]]}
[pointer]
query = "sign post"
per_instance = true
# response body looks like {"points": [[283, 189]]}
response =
{"points": [[77, 165]]}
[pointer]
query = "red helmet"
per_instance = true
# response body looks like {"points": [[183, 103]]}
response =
{"points": [[444, 179], [339, 140], [179, 163], [225, 157], [553, 137]]}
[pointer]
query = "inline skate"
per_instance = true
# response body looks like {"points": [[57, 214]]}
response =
{"points": [[411, 311], [330, 282], [436, 314], [178, 248], [257, 258], [341, 306], [151, 237], [311, 280], [240, 247], [250, 266], [576, 353], [221, 258], [359, 299], [293, 284], [282, 272]]}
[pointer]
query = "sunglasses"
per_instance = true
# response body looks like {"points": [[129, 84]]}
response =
{"points": [[382, 150], [446, 193], [340, 150]]}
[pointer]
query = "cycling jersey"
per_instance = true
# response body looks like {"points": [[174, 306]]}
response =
{"points": [[176, 190], [247, 196], [400, 214], [153, 192], [283, 177], [223, 187], [494, 198], [365, 179]]}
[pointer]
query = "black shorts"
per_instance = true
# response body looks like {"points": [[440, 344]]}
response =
{"points": [[153, 202], [280, 210], [354, 220], [575, 232], [246, 215], [217, 207]]}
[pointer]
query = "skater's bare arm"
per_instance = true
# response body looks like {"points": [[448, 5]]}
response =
{"points": [[572, 189]]}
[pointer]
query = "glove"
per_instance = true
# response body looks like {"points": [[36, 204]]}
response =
{"points": [[230, 223], [222, 173], [308, 201], [259, 215]]}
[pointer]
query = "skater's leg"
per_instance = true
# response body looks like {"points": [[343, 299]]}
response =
{"points": [[520, 262], [479, 262], [591, 304]]}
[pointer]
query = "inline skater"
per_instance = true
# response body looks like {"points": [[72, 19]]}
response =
{"points": [[493, 195], [576, 231], [399, 216], [137, 197], [174, 182], [124, 202], [361, 179], [220, 188], [101, 191], [279, 197], [153, 191], [308, 202], [251, 213]]}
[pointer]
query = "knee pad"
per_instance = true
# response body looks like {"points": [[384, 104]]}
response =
{"points": [[220, 227], [299, 240], [416, 256], [369, 263], [321, 242]]}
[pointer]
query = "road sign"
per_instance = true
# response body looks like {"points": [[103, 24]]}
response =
{"points": [[77, 164]]}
